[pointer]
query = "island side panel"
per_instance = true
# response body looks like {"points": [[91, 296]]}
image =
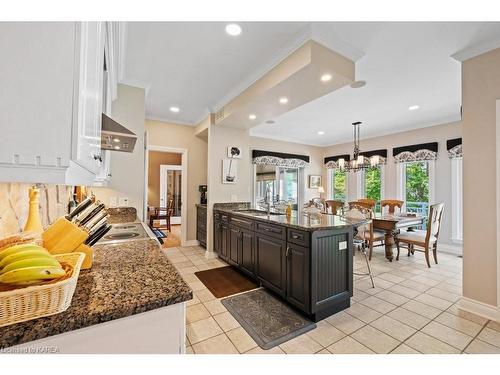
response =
{"points": [[331, 271]]}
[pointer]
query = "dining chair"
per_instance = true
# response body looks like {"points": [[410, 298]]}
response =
{"points": [[424, 238], [392, 204], [371, 202], [362, 233], [335, 206], [359, 204]]}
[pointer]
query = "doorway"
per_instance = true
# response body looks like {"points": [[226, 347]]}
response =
{"points": [[165, 193]]}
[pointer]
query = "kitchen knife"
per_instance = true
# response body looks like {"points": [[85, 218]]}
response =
{"points": [[80, 208], [92, 214], [98, 223], [96, 233], [92, 223], [85, 212], [96, 229], [99, 235]]}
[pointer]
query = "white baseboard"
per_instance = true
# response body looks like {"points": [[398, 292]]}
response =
{"points": [[450, 249], [479, 308], [190, 243], [211, 255]]}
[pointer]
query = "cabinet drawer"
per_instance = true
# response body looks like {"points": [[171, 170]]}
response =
{"points": [[298, 237], [224, 218], [242, 223], [201, 225], [271, 230]]}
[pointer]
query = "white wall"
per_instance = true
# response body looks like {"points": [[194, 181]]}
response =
{"points": [[127, 169], [440, 134]]}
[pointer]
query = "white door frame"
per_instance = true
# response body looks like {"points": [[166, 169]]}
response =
{"points": [[164, 168], [498, 203], [184, 164]]}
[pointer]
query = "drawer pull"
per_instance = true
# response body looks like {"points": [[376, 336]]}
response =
{"points": [[295, 237], [287, 254]]}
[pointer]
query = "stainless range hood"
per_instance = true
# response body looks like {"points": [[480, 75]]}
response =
{"points": [[115, 136]]}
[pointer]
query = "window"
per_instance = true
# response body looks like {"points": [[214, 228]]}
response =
{"points": [[282, 184], [371, 184], [456, 200], [417, 186], [337, 184], [289, 178]]}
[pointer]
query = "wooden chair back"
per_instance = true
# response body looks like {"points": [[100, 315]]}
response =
{"points": [[392, 204], [434, 221], [335, 205], [360, 204], [357, 211], [371, 202]]}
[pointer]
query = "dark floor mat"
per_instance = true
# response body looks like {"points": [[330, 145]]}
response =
{"points": [[225, 281]]}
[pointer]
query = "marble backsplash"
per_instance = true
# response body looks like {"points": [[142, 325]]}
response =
{"points": [[14, 204]]}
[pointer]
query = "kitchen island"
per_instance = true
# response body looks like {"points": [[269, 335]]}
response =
{"points": [[304, 259], [132, 300]]}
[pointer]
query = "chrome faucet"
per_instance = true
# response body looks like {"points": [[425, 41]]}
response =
{"points": [[267, 200]]}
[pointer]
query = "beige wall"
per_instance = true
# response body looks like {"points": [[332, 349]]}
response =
{"points": [[180, 136], [440, 134], [480, 90], [157, 158], [127, 169]]}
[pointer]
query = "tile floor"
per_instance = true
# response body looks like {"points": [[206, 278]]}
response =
{"points": [[411, 310]]}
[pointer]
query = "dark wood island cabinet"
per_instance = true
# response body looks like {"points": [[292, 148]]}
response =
{"points": [[306, 261]]}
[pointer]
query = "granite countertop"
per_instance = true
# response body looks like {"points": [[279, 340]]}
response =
{"points": [[125, 279], [300, 220]]}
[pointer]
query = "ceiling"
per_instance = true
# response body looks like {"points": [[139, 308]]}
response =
{"points": [[199, 68]]}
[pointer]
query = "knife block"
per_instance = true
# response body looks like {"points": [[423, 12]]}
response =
{"points": [[89, 256], [63, 237]]}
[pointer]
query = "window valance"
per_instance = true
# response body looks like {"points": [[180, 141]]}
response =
{"points": [[454, 147], [420, 152], [279, 159], [331, 162]]}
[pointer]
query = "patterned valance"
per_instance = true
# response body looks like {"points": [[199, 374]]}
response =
{"points": [[279, 159], [420, 152], [331, 162], [454, 147], [381, 154]]}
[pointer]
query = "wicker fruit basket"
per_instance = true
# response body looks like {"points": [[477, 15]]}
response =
{"points": [[48, 298]]}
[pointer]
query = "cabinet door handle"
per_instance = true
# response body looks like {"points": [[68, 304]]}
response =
{"points": [[287, 254], [98, 157], [295, 237]]}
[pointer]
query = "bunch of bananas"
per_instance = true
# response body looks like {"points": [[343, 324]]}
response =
{"points": [[28, 264]]}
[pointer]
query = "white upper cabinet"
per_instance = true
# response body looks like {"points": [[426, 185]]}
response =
{"points": [[51, 100]]}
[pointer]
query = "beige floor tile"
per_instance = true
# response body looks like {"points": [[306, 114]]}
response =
{"points": [[376, 340], [456, 282], [259, 350], [193, 301], [447, 287], [215, 306], [196, 312], [393, 327], [391, 278], [359, 295], [429, 345], [202, 330], [197, 286], [324, 351], [438, 303], [490, 336], [448, 335], [216, 345], [363, 313], [481, 347], [460, 324], [241, 339], [404, 349], [424, 279], [226, 321], [494, 325], [391, 297], [378, 304], [189, 350], [411, 284], [466, 315], [302, 344], [443, 294], [187, 270], [348, 346], [205, 295], [190, 278], [408, 317], [184, 265], [422, 309], [203, 267], [404, 291], [345, 322], [325, 334]]}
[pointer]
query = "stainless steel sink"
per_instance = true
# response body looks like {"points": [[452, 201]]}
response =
{"points": [[257, 212]]}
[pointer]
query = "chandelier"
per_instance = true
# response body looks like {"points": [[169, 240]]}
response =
{"points": [[358, 162]]}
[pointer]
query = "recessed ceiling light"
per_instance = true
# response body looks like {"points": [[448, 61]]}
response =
{"points": [[326, 77], [117, 147], [283, 100], [233, 29], [269, 122], [252, 116], [413, 107], [174, 109], [358, 84], [321, 132], [116, 140]]}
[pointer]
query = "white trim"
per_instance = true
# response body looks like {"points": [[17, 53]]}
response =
{"points": [[191, 243], [169, 120], [432, 181], [456, 199], [164, 168], [479, 308], [360, 184], [184, 164], [449, 249], [498, 204], [476, 50]]}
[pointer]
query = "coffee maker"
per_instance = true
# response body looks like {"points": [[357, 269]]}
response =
{"points": [[203, 194]]}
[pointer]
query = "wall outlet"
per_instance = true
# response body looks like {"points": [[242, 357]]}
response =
{"points": [[123, 202], [342, 245], [113, 201]]}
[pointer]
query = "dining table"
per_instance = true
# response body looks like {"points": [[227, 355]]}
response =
{"points": [[392, 223]]}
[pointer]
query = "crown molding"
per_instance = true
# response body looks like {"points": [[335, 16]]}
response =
{"points": [[329, 40], [476, 50], [169, 120]]}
